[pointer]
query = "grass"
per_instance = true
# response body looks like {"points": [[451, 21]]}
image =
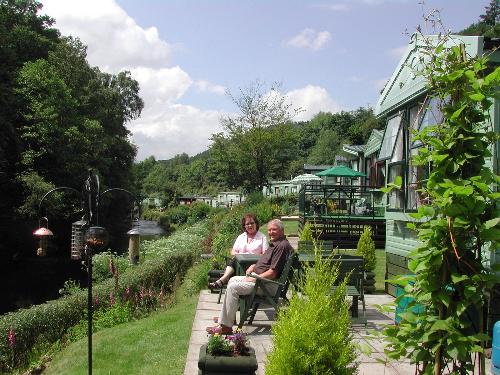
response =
{"points": [[291, 227], [157, 344], [379, 268]]}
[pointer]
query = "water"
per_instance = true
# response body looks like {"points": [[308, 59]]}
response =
{"points": [[150, 230]]}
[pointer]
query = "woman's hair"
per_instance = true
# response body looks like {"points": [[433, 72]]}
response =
{"points": [[249, 216]]}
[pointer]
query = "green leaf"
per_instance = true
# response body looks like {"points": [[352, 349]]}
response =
{"points": [[458, 112], [492, 223], [478, 97], [458, 278]]}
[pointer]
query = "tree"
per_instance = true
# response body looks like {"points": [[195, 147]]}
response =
{"points": [[488, 24], [257, 141], [326, 148]]}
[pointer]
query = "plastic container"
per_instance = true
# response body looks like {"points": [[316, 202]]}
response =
{"points": [[495, 350], [402, 305]]}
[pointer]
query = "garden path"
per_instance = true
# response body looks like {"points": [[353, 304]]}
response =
{"points": [[259, 335]]}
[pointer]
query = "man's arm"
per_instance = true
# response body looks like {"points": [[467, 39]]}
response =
{"points": [[269, 274], [250, 269]]}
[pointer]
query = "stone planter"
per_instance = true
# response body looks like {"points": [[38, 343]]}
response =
{"points": [[369, 282], [212, 365]]}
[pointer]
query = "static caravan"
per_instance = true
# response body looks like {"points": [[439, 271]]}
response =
{"points": [[404, 106]]}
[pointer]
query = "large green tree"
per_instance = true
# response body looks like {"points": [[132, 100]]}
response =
{"points": [[258, 141]]}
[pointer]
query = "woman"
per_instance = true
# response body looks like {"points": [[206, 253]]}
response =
{"points": [[251, 241]]}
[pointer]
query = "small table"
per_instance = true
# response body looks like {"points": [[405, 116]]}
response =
{"points": [[243, 261]]}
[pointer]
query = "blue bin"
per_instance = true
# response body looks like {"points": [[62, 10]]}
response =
{"points": [[495, 350], [402, 305]]}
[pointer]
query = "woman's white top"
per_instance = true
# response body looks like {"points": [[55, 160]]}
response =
{"points": [[257, 245]]}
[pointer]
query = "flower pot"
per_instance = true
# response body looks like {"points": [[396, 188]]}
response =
{"points": [[222, 364]]}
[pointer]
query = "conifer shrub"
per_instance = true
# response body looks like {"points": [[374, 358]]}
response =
{"points": [[366, 248], [312, 336], [306, 234]]}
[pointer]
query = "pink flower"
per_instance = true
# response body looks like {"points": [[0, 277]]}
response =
{"points": [[141, 293], [12, 337], [111, 299], [127, 293], [112, 267]]}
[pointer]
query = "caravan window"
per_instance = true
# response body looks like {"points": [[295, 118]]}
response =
{"points": [[392, 130]]}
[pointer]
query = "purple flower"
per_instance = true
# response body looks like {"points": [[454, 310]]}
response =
{"points": [[111, 299]]}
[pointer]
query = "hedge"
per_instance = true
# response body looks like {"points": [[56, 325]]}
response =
{"points": [[23, 330]]}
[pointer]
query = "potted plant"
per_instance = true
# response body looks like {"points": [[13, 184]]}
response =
{"points": [[366, 248], [227, 354]]}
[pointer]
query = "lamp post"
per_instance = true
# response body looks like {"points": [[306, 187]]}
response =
{"points": [[87, 236]]}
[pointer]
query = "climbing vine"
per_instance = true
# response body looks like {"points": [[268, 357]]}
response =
{"points": [[459, 225]]}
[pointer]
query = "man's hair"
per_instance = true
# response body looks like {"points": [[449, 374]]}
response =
{"points": [[278, 223]]}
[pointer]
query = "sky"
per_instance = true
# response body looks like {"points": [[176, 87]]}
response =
{"points": [[187, 55]]}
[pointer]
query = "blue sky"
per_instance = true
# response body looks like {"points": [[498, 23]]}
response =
{"points": [[328, 55]]}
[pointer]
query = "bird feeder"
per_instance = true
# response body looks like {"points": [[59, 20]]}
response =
{"points": [[133, 245], [43, 234]]}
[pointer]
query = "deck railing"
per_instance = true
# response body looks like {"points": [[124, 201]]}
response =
{"points": [[341, 200]]}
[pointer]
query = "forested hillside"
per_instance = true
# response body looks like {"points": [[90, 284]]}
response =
{"points": [[232, 160]]}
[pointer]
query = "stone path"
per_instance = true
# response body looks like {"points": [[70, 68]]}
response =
{"points": [[259, 335], [260, 338]]}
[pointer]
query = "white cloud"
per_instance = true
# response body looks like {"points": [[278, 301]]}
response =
{"points": [[205, 86], [114, 39], [115, 42], [309, 38], [164, 132], [311, 100]]}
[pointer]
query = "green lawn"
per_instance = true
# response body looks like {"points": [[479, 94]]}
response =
{"points": [[291, 227], [154, 345], [379, 268]]}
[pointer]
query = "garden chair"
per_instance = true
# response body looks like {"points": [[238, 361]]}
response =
{"points": [[262, 293]]}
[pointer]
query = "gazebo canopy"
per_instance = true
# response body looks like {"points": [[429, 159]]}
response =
{"points": [[306, 177], [341, 171]]}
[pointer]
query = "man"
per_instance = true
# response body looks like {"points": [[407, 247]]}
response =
{"points": [[270, 265]]}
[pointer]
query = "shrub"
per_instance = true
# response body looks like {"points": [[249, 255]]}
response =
{"points": [[312, 335], [198, 211], [178, 214], [254, 198], [306, 234], [366, 248], [263, 211], [101, 262]]}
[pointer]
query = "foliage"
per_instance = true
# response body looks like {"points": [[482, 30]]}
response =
{"points": [[489, 22], [198, 211], [234, 344], [254, 198], [101, 265], [259, 140], [306, 234], [312, 335], [145, 287], [459, 225], [218, 345], [366, 248]]}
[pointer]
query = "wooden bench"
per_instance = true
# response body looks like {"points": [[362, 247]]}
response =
{"points": [[352, 268]]}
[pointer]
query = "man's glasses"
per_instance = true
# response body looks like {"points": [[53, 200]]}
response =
{"points": [[249, 224]]}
